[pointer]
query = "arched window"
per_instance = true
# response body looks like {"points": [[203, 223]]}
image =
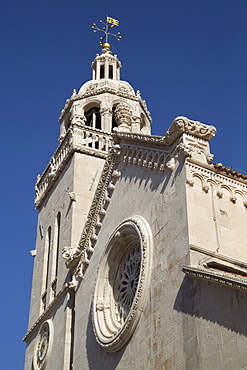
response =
{"points": [[110, 71], [46, 267], [55, 255], [93, 118], [102, 71], [114, 123]]}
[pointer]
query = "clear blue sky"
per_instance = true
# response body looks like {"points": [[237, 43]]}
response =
{"points": [[187, 57]]}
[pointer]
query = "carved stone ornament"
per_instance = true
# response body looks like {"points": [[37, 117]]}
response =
{"points": [[43, 345], [123, 116], [184, 125], [122, 283]]}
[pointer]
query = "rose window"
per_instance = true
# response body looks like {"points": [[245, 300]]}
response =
{"points": [[121, 285], [126, 283]]}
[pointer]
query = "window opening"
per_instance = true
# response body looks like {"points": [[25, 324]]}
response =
{"points": [[102, 71], [114, 124], [93, 118], [110, 71]]}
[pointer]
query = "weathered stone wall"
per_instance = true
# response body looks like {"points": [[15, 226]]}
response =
{"points": [[186, 323], [217, 212], [159, 197]]}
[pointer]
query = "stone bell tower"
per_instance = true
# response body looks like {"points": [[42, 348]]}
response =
{"points": [[63, 195]]}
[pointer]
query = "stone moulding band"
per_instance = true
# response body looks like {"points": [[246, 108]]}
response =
{"points": [[220, 278], [66, 288], [122, 283]]}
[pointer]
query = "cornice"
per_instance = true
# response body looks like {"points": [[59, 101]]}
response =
{"points": [[217, 255], [216, 277], [66, 288], [92, 90], [209, 176], [230, 172]]}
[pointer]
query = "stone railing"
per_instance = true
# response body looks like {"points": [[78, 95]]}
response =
{"points": [[79, 138]]}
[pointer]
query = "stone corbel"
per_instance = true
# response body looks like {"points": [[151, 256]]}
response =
{"points": [[72, 196]]}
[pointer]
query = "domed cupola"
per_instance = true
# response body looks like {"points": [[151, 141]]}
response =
{"points": [[106, 103]]}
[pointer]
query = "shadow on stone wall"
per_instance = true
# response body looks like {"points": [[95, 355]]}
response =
{"points": [[213, 302], [97, 357]]}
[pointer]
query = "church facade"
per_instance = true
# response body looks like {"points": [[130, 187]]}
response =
{"points": [[141, 251]]}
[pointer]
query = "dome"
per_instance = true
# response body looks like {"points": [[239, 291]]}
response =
{"points": [[106, 84]]}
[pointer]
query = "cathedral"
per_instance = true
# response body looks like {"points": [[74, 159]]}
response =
{"points": [[141, 250]]}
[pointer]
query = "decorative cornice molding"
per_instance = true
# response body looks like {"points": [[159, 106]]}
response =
{"points": [[216, 277], [66, 288], [217, 255], [210, 177], [93, 90], [106, 56], [229, 171], [184, 125], [150, 158]]}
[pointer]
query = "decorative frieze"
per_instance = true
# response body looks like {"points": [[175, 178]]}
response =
{"points": [[221, 183], [144, 157]]}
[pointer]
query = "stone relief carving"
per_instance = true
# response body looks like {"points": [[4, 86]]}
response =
{"points": [[153, 159], [123, 116], [184, 125], [105, 110], [122, 283]]}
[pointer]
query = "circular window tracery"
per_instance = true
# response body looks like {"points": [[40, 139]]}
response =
{"points": [[43, 345], [122, 282]]}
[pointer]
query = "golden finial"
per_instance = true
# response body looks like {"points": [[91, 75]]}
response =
{"points": [[110, 23]]}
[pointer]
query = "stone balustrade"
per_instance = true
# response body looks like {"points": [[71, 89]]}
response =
{"points": [[79, 138]]}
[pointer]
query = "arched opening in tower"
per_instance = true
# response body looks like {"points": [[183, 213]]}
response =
{"points": [[93, 118], [114, 123]]}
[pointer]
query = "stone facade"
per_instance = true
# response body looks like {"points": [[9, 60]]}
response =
{"points": [[153, 239]]}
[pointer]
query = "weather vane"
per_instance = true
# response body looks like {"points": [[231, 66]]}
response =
{"points": [[110, 23]]}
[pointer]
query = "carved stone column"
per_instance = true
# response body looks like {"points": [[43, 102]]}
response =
{"points": [[136, 124], [106, 119]]}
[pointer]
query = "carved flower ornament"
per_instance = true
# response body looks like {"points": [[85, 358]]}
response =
{"points": [[43, 345], [122, 283]]}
